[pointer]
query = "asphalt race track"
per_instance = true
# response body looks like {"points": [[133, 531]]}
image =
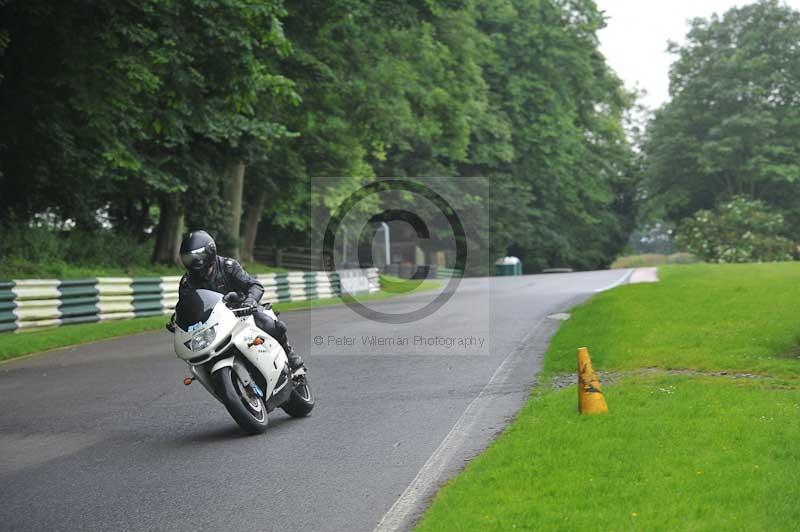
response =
{"points": [[105, 436]]}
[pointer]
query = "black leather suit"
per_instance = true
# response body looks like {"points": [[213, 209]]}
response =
{"points": [[228, 275]]}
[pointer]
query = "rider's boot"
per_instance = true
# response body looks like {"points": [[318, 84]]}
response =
{"points": [[295, 360]]}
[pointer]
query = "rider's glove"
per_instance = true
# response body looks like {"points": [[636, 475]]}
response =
{"points": [[250, 302]]}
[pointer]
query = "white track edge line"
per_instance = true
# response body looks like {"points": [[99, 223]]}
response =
{"points": [[429, 475], [618, 282]]}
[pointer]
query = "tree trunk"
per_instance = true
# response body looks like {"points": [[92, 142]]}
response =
{"points": [[144, 216], [170, 227], [234, 188], [251, 219]]}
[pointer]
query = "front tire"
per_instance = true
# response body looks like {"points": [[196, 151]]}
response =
{"points": [[248, 411], [301, 402]]}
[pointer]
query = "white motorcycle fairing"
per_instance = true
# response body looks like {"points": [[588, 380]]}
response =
{"points": [[232, 336]]}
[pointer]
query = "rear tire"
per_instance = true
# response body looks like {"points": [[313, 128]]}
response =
{"points": [[248, 412], [301, 402]]}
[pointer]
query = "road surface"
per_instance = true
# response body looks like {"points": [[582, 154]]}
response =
{"points": [[105, 437]]}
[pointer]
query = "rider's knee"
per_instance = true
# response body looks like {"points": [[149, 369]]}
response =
{"points": [[281, 327], [274, 327], [264, 322]]}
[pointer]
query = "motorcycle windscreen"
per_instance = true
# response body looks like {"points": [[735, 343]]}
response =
{"points": [[195, 307]]}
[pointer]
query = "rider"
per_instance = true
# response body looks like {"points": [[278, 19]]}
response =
{"points": [[205, 269]]}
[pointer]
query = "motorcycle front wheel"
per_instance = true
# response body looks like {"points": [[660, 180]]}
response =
{"points": [[246, 408], [301, 402]]}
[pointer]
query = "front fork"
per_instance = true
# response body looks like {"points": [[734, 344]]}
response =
{"points": [[200, 373], [242, 373]]}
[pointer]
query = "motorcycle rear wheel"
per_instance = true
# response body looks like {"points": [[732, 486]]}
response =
{"points": [[248, 411]]}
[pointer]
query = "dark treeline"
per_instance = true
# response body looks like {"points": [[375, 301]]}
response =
{"points": [[156, 116], [722, 157]]}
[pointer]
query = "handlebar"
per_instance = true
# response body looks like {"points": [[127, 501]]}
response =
{"points": [[244, 311]]}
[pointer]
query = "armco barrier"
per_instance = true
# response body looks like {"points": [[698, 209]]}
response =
{"points": [[50, 302]]}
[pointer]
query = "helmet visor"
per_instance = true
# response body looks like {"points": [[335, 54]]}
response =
{"points": [[196, 260]]}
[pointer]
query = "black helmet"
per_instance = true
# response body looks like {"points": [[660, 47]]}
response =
{"points": [[198, 253]]}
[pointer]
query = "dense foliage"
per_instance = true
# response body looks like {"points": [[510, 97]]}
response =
{"points": [[45, 252], [740, 230], [733, 123], [159, 115]]}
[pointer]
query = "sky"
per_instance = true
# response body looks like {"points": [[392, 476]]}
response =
{"points": [[635, 39]]}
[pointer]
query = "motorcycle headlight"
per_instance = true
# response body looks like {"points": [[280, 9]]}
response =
{"points": [[203, 339]]}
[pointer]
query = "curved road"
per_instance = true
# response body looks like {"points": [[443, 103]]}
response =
{"points": [[105, 437]]}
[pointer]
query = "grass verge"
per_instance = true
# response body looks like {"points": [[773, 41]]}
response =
{"points": [[13, 345], [653, 259], [678, 451]]}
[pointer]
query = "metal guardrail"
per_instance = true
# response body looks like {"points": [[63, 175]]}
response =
{"points": [[31, 303]]}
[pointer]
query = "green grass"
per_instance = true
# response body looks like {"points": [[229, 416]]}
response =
{"points": [[397, 285], [390, 287], [678, 451], [13, 345], [675, 453], [653, 259], [739, 317]]}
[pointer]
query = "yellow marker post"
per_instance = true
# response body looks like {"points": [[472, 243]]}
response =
{"points": [[590, 396]]}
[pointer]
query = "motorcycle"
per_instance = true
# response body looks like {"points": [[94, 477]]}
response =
{"points": [[242, 366]]}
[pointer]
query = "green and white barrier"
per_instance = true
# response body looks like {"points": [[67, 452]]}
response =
{"points": [[299, 286], [32, 303], [447, 273], [47, 302]]}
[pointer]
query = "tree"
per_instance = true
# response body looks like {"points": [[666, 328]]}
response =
{"points": [[515, 91], [733, 123], [224, 94], [171, 95], [559, 158], [219, 113]]}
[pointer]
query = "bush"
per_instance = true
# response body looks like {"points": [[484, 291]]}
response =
{"points": [[28, 251], [741, 230]]}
